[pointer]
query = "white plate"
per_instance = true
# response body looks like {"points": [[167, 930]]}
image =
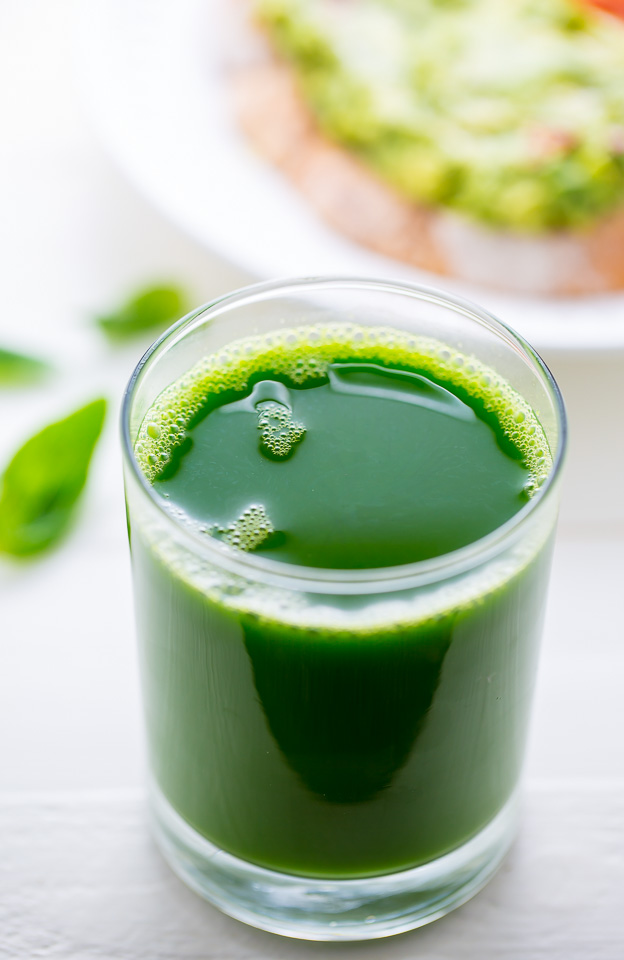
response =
{"points": [[152, 72]]}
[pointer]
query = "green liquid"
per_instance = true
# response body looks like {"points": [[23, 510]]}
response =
{"points": [[362, 734]]}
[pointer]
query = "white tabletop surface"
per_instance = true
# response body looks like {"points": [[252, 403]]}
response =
{"points": [[79, 878]]}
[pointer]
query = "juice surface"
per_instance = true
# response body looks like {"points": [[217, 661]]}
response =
{"points": [[366, 466], [339, 750]]}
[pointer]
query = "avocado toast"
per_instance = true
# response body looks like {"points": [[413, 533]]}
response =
{"points": [[470, 137]]}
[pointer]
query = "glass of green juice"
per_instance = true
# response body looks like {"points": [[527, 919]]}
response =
{"points": [[342, 496]]}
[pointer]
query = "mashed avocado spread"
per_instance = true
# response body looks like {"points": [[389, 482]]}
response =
{"points": [[510, 111]]}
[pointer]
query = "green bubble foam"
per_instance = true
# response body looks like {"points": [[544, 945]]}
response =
{"points": [[305, 353], [279, 432]]}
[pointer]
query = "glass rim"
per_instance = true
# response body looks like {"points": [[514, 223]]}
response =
{"points": [[423, 572]]}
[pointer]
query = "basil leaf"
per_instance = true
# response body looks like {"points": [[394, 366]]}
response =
{"points": [[152, 309], [20, 368], [44, 480]]}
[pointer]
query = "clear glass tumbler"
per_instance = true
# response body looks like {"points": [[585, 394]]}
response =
{"points": [[244, 658]]}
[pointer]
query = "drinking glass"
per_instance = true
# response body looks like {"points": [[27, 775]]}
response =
{"points": [[262, 800]]}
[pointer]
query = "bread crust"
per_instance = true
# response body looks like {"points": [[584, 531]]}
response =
{"points": [[357, 203]]}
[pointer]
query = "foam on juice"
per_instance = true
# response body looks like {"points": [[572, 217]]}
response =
{"points": [[305, 354], [249, 530], [279, 432]]}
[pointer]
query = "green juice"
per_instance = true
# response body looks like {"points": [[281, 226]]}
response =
{"points": [[334, 733]]}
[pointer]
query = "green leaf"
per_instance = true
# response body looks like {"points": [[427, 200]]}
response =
{"points": [[152, 309], [20, 368], [44, 480]]}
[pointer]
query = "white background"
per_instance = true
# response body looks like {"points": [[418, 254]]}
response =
{"points": [[78, 876]]}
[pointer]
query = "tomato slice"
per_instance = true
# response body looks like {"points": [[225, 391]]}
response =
{"points": [[616, 7]]}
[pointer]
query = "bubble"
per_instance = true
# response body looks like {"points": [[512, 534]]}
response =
{"points": [[153, 431], [249, 530], [279, 432]]}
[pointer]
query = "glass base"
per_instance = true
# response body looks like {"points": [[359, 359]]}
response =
{"points": [[313, 909]]}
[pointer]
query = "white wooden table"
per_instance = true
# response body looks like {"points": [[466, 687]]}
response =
{"points": [[79, 876]]}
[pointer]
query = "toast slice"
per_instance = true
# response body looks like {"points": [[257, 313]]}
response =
{"points": [[357, 203]]}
